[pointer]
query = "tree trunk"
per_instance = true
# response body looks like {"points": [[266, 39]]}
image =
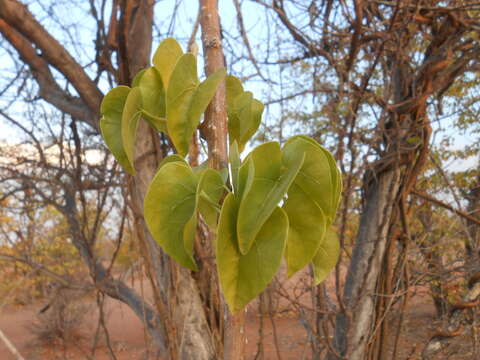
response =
{"points": [[177, 295], [355, 325]]}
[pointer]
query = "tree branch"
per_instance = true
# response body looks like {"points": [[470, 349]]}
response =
{"points": [[21, 19]]}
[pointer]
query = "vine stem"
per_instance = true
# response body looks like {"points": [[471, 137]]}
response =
{"points": [[215, 131]]}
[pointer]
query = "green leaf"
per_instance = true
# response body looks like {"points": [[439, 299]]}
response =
{"points": [[233, 89], [210, 190], [256, 118], [268, 188], [153, 99], [172, 158], [187, 100], [130, 116], [334, 170], [200, 100], [111, 124], [244, 113], [315, 176], [137, 78], [235, 163], [169, 207], [182, 86], [166, 57], [157, 123], [246, 175], [306, 231], [243, 277], [326, 257], [239, 116]]}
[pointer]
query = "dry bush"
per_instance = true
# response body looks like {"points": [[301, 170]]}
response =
{"points": [[61, 320]]}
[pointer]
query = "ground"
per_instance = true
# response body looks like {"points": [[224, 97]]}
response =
{"points": [[128, 339]]}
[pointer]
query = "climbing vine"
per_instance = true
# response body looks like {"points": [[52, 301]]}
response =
{"points": [[278, 202]]}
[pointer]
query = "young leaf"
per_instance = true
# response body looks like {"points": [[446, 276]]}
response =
{"points": [[200, 100], [244, 112], [268, 188], [187, 100], [153, 99], [326, 257], [111, 124], [306, 231], [233, 89], [246, 175], [243, 277], [166, 57], [130, 117], [210, 190], [239, 117], [169, 207], [235, 163]]}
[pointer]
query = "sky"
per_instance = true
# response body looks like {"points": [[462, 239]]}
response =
{"points": [[79, 41]]}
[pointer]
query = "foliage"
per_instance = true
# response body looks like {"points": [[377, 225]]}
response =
{"points": [[277, 198], [41, 244]]}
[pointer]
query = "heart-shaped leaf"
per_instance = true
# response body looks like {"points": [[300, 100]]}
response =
{"points": [[153, 99], [187, 100], [244, 276], [244, 113], [334, 170], [306, 231], [233, 89], [169, 207], [327, 256], [130, 116], [166, 57], [269, 186], [111, 124], [315, 176]]}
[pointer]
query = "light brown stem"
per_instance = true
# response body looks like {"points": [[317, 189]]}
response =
{"points": [[216, 134]]}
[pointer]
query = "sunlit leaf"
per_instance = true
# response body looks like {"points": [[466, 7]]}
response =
{"points": [[306, 231], [243, 277], [111, 124], [169, 206], [327, 256], [165, 58]]}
